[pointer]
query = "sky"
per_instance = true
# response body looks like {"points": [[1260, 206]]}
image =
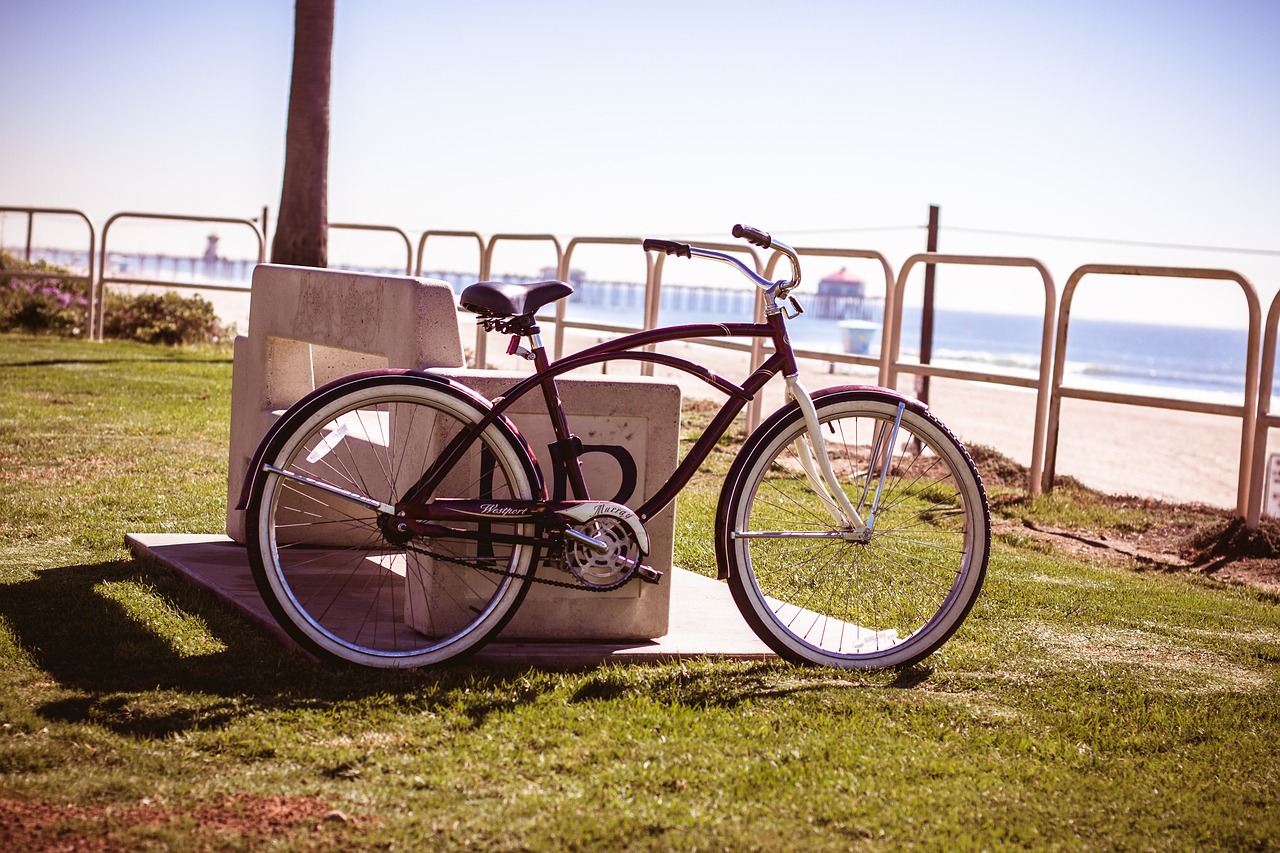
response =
{"points": [[827, 122]]}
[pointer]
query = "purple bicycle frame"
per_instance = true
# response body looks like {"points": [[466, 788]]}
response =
{"points": [[628, 347]]}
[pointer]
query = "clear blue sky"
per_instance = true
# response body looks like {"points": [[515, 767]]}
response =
{"points": [[1143, 121]]}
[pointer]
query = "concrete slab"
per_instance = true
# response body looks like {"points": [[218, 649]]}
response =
{"points": [[704, 621]]}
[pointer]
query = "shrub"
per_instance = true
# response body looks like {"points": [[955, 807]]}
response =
{"points": [[61, 307], [32, 304], [161, 319]]}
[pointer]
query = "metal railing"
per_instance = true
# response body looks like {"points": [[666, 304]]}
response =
{"points": [[563, 323], [893, 366], [1265, 418], [1247, 412], [99, 289], [387, 229], [466, 235], [31, 213]]}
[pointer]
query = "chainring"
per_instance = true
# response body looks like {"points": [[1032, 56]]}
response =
{"points": [[609, 568]]}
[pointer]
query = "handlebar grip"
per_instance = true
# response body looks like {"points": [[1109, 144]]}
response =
{"points": [[754, 236], [671, 247]]}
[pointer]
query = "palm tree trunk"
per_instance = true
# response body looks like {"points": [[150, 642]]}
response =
{"points": [[302, 224]]}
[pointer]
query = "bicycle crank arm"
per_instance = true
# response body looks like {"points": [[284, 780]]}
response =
{"points": [[372, 504], [583, 539]]}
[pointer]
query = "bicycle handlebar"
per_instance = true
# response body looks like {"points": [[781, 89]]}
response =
{"points": [[773, 290], [754, 236], [671, 247]]}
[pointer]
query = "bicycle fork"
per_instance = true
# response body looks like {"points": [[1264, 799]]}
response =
{"points": [[816, 463]]}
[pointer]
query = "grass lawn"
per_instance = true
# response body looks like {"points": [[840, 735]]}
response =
{"points": [[1089, 702]]}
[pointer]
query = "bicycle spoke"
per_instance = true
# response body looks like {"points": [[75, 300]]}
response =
{"points": [[884, 599], [322, 559]]}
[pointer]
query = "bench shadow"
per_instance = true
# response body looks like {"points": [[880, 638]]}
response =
{"points": [[104, 656]]}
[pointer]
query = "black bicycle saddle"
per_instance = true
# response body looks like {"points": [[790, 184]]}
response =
{"points": [[500, 299]]}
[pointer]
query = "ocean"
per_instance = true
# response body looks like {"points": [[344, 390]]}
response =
{"points": [[1176, 361]]}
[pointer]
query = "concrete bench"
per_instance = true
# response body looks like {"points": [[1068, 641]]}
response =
{"points": [[309, 326]]}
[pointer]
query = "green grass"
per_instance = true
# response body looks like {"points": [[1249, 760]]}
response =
{"points": [[1082, 705]]}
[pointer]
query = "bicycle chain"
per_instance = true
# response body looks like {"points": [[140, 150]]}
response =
{"points": [[493, 570]]}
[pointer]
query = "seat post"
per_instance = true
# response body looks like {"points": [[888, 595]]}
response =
{"points": [[568, 446], [539, 350]]}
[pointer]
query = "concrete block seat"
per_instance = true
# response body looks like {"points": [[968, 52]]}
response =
{"points": [[310, 326]]}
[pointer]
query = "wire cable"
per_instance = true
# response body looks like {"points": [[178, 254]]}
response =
{"points": [[1113, 241]]}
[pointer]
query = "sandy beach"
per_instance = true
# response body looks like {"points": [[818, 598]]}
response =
{"points": [[1119, 449]]}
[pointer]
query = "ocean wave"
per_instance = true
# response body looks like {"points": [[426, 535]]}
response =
{"points": [[1210, 384], [1209, 380], [1007, 360]]}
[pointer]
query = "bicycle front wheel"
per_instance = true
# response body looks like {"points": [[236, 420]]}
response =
{"points": [[330, 567], [816, 592]]}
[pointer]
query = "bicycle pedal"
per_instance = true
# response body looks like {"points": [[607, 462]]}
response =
{"points": [[648, 574]]}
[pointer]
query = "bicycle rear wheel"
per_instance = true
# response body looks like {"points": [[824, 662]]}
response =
{"points": [[324, 562], [817, 594]]}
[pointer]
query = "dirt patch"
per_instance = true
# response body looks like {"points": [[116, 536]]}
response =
{"points": [[1179, 538], [1231, 552], [1223, 550], [997, 470], [41, 827]]}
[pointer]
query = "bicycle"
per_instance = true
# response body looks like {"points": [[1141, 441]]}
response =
{"points": [[396, 518]]}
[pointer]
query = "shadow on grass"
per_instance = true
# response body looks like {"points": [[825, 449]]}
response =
{"points": [[62, 362], [114, 664], [116, 671], [697, 688]]}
